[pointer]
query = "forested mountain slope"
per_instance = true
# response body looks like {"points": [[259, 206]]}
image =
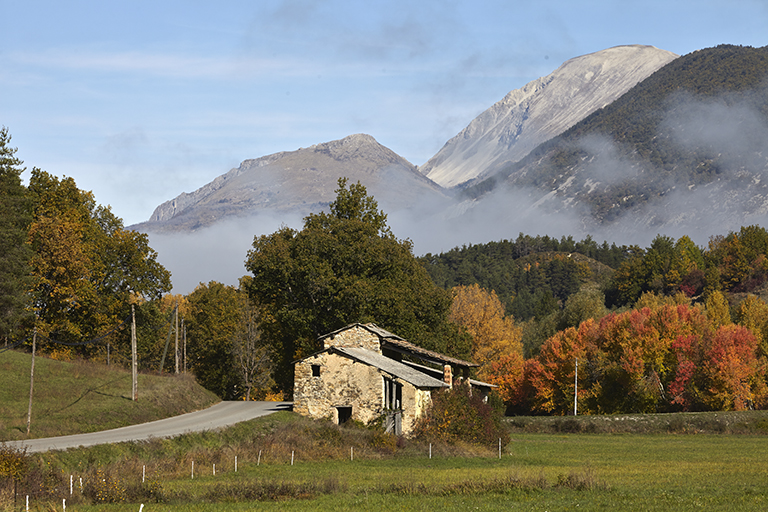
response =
{"points": [[530, 275]]}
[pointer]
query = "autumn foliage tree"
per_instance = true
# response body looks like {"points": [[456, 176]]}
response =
{"points": [[496, 340], [652, 359], [85, 265], [481, 313]]}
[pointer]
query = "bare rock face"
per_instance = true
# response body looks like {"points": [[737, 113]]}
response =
{"points": [[544, 108], [300, 181]]}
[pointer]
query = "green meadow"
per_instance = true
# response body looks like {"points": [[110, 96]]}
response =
{"points": [[81, 396], [693, 461], [537, 471]]}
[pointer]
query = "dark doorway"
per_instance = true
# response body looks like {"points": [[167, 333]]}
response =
{"points": [[345, 414]]}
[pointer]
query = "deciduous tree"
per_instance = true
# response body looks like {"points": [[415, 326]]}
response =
{"points": [[481, 313], [85, 265], [344, 266], [250, 352], [733, 373], [214, 322], [496, 339]]}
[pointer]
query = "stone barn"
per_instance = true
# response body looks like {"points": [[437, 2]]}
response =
{"points": [[360, 374]]}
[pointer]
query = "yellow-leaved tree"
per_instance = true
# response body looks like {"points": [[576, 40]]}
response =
{"points": [[496, 340]]}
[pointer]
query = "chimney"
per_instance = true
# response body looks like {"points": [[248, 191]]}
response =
{"points": [[447, 376]]}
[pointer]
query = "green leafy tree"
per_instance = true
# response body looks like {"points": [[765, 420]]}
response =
{"points": [[588, 302], [212, 327], [15, 217], [344, 266]]}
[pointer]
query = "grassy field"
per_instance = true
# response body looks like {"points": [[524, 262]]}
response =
{"points": [[697, 461], [77, 397], [538, 471]]}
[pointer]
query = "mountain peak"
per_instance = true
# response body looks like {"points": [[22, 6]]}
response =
{"points": [[540, 110], [298, 181]]}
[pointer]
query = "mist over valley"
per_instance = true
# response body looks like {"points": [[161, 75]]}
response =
{"points": [[621, 145]]}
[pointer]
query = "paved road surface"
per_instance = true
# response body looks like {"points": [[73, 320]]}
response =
{"points": [[220, 415]]}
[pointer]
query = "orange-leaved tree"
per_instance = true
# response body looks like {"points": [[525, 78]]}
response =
{"points": [[550, 378], [496, 340], [652, 359], [733, 372]]}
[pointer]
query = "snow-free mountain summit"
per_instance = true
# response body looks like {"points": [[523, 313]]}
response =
{"points": [[300, 181], [304, 180], [542, 109]]}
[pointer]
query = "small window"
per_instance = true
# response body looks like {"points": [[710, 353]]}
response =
{"points": [[315, 370]]}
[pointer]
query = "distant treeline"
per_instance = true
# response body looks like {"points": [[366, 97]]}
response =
{"points": [[530, 275], [534, 276]]}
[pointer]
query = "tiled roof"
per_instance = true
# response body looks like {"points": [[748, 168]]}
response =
{"points": [[405, 347], [392, 367]]}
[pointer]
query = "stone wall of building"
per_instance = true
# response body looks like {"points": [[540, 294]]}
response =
{"points": [[355, 337], [341, 382], [415, 403]]}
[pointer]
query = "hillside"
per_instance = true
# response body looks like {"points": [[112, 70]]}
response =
{"points": [[683, 146], [79, 397], [540, 110], [530, 275]]}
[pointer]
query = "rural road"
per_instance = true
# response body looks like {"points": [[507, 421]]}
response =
{"points": [[220, 415]]}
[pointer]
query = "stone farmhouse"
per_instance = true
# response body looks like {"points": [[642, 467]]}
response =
{"points": [[361, 374]]}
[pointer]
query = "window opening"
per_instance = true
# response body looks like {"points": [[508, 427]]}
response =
{"points": [[393, 394], [315, 370]]}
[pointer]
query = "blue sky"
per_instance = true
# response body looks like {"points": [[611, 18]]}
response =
{"points": [[140, 101]]}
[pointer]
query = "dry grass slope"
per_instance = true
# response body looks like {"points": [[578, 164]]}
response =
{"points": [[77, 397]]}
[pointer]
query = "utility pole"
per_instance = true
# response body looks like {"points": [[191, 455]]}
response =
{"points": [[32, 377], [134, 362], [576, 389], [184, 337], [177, 338]]}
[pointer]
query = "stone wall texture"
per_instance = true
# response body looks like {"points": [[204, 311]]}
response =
{"points": [[340, 381], [355, 337]]}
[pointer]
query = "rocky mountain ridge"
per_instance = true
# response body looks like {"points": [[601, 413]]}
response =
{"points": [[684, 152], [300, 181], [304, 180], [540, 110]]}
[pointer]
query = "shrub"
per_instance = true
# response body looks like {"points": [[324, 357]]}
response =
{"points": [[105, 488], [384, 442], [13, 462], [458, 415]]}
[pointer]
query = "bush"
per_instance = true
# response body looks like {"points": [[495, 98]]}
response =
{"points": [[13, 462], [458, 415], [105, 488]]}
